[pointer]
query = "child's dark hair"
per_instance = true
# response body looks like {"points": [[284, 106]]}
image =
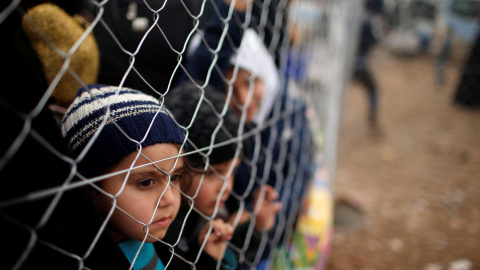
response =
{"points": [[183, 101]]}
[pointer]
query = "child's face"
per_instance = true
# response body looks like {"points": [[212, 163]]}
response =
{"points": [[211, 186], [241, 88], [140, 197]]}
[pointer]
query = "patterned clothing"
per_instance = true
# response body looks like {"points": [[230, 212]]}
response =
{"points": [[147, 258]]}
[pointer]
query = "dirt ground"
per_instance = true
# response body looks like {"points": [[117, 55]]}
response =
{"points": [[416, 186]]}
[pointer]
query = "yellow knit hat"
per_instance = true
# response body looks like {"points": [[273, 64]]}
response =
{"points": [[52, 33]]}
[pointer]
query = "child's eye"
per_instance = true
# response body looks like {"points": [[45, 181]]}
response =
{"points": [[209, 172], [176, 178], [145, 183]]}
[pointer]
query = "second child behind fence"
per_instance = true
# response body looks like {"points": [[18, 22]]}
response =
{"points": [[212, 174], [249, 80], [135, 160]]}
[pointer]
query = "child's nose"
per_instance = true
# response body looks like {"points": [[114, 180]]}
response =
{"points": [[169, 196], [242, 95], [228, 188], [230, 182]]}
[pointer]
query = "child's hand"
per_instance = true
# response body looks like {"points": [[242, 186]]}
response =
{"points": [[266, 207], [216, 242]]}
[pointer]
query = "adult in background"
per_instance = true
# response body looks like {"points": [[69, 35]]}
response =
{"points": [[468, 91], [362, 72]]}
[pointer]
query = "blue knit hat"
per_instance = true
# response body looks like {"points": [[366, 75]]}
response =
{"points": [[134, 118]]}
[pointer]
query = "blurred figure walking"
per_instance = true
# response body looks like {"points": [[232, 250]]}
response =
{"points": [[362, 72]]}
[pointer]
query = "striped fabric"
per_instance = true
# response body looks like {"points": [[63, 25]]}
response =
{"points": [[134, 118]]}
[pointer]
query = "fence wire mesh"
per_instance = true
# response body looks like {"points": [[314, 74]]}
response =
{"points": [[241, 82], [255, 88]]}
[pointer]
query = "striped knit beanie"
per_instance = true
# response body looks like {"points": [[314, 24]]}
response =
{"points": [[135, 118]]}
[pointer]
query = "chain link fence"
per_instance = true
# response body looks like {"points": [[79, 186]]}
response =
{"points": [[285, 133], [49, 209]]}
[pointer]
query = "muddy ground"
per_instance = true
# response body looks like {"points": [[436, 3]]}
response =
{"points": [[413, 190]]}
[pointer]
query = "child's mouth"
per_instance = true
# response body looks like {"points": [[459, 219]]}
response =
{"points": [[163, 222]]}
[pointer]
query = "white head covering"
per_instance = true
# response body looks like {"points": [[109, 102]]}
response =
{"points": [[254, 57]]}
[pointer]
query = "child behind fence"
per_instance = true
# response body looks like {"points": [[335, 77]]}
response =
{"points": [[284, 159], [131, 146], [212, 171]]}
